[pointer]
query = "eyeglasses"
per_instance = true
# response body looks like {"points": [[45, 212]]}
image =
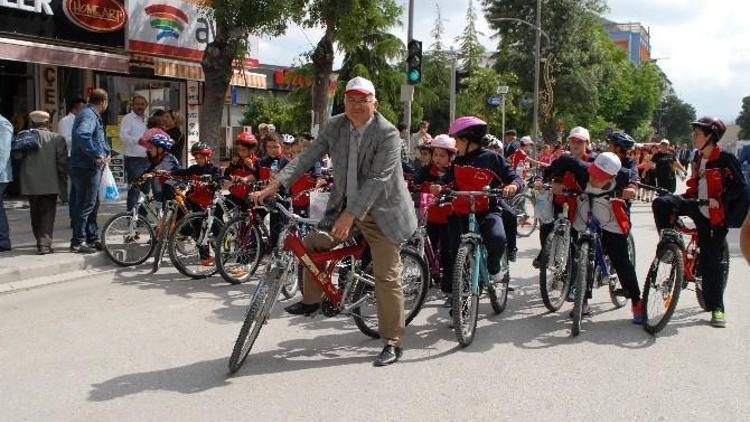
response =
{"points": [[358, 99]]}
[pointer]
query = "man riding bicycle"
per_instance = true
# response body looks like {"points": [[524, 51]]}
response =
{"points": [[716, 177], [369, 192]]}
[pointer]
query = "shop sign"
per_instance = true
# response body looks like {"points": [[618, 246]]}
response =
{"points": [[96, 15], [47, 98], [289, 79], [193, 93], [172, 28], [88, 22]]}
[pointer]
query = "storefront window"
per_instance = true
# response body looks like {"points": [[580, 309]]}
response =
{"points": [[16, 92]]}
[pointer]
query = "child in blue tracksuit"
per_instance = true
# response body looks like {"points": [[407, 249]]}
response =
{"points": [[266, 168], [468, 133]]}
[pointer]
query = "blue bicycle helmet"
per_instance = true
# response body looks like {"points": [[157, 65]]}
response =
{"points": [[159, 140], [622, 139]]}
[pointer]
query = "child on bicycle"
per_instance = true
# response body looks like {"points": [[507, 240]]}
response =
{"points": [[158, 148], [243, 163], [716, 177], [605, 176], [432, 180], [468, 132], [267, 167]]}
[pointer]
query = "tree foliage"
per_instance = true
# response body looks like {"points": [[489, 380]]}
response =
{"points": [[271, 108], [743, 120], [471, 51]]}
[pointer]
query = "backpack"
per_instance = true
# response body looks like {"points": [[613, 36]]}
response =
{"points": [[25, 142]]}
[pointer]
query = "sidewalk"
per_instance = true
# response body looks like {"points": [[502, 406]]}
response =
{"points": [[21, 265]]}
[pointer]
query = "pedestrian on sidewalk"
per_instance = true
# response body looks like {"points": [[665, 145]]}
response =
{"points": [[42, 176], [132, 127], [91, 153], [65, 129], [6, 176]]}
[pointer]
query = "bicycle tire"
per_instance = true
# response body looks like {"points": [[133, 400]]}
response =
{"points": [[250, 240], [520, 204], [465, 300], [186, 227], [109, 247], [560, 283], [672, 296], [414, 292], [260, 307], [581, 282], [499, 301], [159, 249], [292, 280]]}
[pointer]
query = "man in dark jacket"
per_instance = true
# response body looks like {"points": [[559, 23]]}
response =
{"points": [[90, 154], [41, 175]]}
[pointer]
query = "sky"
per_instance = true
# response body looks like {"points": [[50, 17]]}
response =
{"points": [[702, 45]]}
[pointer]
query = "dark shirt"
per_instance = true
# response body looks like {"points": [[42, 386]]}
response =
{"points": [[664, 162], [176, 134], [196, 170]]}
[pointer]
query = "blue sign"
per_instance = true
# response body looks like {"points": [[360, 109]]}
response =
{"points": [[495, 101], [234, 95]]}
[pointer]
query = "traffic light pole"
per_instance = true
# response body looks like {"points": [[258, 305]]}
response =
{"points": [[537, 66], [407, 103]]}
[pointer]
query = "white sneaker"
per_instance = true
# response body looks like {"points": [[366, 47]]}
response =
{"points": [[498, 278]]}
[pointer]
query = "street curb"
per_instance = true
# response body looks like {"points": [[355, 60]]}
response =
{"points": [[42, 281], [66, 263]]}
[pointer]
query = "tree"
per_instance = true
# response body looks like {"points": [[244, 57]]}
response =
{"points": [[432, 96], [235, 21], [346, 24], [743, 120], [471, 50], [672, 118], [271, 108], [437, 32], [472, 101]]}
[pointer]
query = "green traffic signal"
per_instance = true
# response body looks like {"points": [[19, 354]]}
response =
{"points": [[414, 76]]}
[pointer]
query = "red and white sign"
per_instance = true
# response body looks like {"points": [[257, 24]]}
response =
{"points": [[96, 15]]}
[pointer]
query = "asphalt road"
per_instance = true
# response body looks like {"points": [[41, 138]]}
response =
{"points": [[128, 345]]}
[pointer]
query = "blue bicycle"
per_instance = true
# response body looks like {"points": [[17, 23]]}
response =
{"points": [[470, 275], [593, 266]]}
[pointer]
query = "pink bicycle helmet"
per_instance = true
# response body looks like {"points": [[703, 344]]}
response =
{"points": [[463, 123]]}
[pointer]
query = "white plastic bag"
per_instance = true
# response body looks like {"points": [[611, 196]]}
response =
{"points": [[543, 208], [108, 191], [318, 203]]}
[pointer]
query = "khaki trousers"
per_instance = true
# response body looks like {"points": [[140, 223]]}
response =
{"points": [[386, 264]]}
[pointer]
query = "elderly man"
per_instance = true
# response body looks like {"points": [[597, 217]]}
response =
{"points": [[370, 193], [90, 154], [132, 127], [38, 170], [6, 176]]}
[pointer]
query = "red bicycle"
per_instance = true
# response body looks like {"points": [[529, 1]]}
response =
{"points": [[350, 292], [673, 269]]}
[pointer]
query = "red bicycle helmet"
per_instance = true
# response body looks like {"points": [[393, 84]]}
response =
{"points": [[247, 139], [713, 125], [201, 148]]}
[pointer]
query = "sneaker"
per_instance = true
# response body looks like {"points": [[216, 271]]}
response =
{"points": [[512, 255], [238, 272], [208, 261], [82, 248], [718, 319], [95, 244], [639, 313], [498, 278]]}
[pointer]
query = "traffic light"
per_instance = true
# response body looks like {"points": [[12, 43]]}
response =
{"points": [[414, 62], [460, 84]]}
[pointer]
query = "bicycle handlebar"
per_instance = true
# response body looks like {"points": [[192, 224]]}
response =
{"points": [[292, 215]]}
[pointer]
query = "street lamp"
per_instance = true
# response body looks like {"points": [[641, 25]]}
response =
{"points": [[537, 57]]}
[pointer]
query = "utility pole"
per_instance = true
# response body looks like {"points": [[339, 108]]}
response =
{"points": [[453, 87], [537, 67], [407, 103]]}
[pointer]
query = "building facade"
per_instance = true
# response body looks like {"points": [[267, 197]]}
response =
{"points": [[633, 38]]}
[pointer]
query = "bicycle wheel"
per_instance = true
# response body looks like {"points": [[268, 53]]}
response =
{"points": [[524, 206], [191, 259], [239, 249], [614, 281], [581, 282], [414, 283], [555, 270], [292, 279], [127, 242], [699, 279], [260, 308], [465, 299], [161, 242], [498, 294], [661, 291]]}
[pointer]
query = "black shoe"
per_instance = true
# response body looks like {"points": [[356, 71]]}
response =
{"points": [[389, 355], [96, 245], [512, 255], [45, 250], [4, 249], [82, 248], [300, 308]]}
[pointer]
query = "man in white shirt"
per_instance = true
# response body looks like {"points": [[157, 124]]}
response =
{"points": [[132, 127], [65, 128]]}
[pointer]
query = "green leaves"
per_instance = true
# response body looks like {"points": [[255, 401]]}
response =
{"points": [[744, 119]]}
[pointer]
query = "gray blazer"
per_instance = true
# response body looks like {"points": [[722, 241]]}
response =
{"points": [[382, 191], [41, 170]]}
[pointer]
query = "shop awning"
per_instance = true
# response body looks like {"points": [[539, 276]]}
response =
{"points": [[194, 72], [32, 52]]}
